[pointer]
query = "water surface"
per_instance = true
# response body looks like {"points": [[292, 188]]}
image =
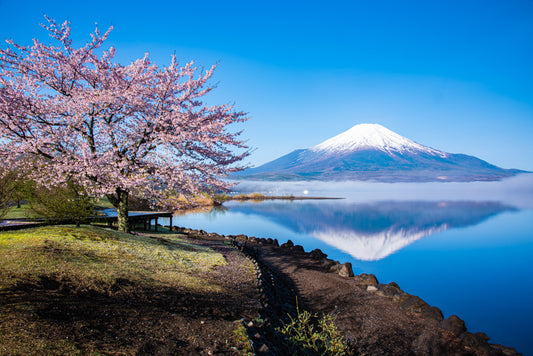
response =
{"points": [[467, 254]]}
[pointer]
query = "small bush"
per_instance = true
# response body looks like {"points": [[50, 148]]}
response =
{"points": [[7, 184], [222, 197], [61, 203], [241, 338], [256, 196], [309, 334]]}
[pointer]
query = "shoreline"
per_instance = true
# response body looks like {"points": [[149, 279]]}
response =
{"points": [[390, 311], [281, 197]]}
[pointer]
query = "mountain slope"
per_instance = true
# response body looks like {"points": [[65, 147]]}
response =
{"points": [[373, 152]]}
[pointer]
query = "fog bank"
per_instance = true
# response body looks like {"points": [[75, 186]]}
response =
{"points": [[515, 191]]}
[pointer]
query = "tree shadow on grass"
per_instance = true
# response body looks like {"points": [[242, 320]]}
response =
{"points": [[126, 318]]}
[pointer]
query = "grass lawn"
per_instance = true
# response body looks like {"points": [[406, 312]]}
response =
{"points": [[19, 213], [59, 283]]}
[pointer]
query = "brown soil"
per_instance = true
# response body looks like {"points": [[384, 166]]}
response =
{"points": [[374, 323]]}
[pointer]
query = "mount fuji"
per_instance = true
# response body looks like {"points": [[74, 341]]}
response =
{"points": [[371, 152]]}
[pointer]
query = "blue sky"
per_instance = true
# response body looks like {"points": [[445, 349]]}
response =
{"points": [[453, 75]]}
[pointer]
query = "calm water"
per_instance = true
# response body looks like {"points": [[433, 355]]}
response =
{"points": [[469, 254]]}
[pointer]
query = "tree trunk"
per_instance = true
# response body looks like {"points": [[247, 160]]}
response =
{"points": [[120, 202]]}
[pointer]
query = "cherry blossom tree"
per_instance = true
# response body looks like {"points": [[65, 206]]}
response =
{"points": [[74, 114]]}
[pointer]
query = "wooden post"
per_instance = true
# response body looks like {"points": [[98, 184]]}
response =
{"points": [[170, 222], [156, 223]]}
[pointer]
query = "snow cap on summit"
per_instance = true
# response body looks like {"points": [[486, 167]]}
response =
{"points": [[371, 136]]}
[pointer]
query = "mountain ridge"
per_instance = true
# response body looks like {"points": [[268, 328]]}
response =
{"points": [[371, 152]]}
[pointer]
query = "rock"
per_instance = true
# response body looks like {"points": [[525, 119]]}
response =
{"points": [[242, 238], [394, 284], [504, 350], [371, 288], [317, 254], [269, 241], [390, 290], [327, 263], [366, 279], [482, 336], [433, 314], [263, 349], [414, 304], [275, 243], [454, 324], [335, 266], [345, 270], [477, 341], [298, 248], [287, 244]]}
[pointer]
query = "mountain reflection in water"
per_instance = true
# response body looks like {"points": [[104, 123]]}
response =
{"points": [[373, 231]]}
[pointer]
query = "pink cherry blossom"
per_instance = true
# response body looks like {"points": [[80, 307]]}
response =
{"points": [[75, 114]]}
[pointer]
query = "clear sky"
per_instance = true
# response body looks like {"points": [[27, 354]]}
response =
{"points": [[453, 75]]}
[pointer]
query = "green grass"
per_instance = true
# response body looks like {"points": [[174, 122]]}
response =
{"points": [[95, 257], [19, 213]]}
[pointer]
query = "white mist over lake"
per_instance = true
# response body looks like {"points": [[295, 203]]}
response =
{"points": [[516, 191]]}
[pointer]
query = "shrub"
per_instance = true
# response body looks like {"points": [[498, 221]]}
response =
{"points": [[256, 196], [7, 181], [62, 203], [222, 197], [309, 334]]}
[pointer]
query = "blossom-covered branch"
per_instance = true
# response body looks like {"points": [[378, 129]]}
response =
{"points": [[77, 115]]}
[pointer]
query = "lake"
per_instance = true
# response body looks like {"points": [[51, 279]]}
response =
{"points": [[463, 247]]}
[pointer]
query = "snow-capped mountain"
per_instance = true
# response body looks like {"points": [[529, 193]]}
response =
{"points": [[373, 152], [372, 136]]}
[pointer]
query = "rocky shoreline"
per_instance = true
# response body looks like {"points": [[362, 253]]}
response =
{"points": [[396, 323]]}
